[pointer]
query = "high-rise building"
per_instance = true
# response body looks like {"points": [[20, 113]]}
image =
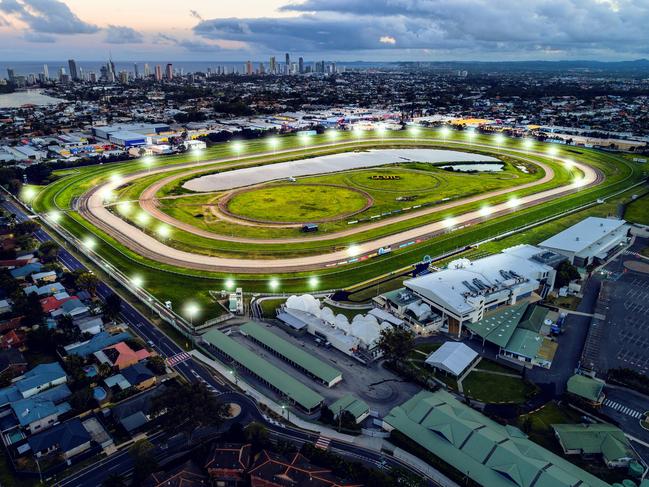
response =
{"points": [[249, 70], [46, 72], [92, 77], [74, 74], [158, 72], [273, 65], [262, 69], [136, 71], [147, 70], [287, 59], [300, 65], [123, 76], [11, 75], [170, 72]]}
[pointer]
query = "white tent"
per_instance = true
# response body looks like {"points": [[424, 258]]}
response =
{"points": [[453, 357], [306, 303]]}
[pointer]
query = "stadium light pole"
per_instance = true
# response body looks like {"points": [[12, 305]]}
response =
{"points": [[471, 135], [414, 131], [273, 142], [192, 310], [445, 132], [500, 140], [527, 144], [237, 147], [148, 162]]}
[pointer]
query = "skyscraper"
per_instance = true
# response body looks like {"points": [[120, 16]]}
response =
{"points": [[288, 59], [74, 74], [147, 70], [300, 63], [249, 70], [136, 71], [273, 65], [11, 75], [158, 72], [170, 71], [46, 72]]}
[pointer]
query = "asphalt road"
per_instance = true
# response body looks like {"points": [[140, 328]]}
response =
{"points": [[191, 370]]}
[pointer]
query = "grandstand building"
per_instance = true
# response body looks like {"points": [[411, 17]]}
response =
{"points": [[464, 291]]}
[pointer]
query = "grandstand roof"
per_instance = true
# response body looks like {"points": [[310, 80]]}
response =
{"points": [[487, 452], [280, 380], [290, 352], [499, 327]]}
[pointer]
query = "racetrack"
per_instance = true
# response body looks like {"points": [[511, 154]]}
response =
{"points": [[92, 207]]}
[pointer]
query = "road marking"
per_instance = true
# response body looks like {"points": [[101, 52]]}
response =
{"points": [[323, 443], [178, 358], [620, 408]]}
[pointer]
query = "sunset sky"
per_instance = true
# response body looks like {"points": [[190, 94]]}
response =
{"points": [[42, 30]]}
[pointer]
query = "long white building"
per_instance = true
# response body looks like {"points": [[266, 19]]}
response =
{"points": [[590, 239], [466, 290]]}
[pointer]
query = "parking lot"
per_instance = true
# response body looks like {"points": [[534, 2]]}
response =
{"points": [[379, 388]]}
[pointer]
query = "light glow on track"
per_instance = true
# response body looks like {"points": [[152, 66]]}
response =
{"points": [[55, 216], [486, 211], [354, 250], [514, 202], [229, 284], [137, 281], [313, 282], [274, 284], [449, 222]]}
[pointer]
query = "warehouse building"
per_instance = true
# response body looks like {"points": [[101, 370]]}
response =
{"points": [[481, 449], [603, 440], [466, 290], [352, 405], [453, 358], [222, 346], [298, 358], [592, 239]]}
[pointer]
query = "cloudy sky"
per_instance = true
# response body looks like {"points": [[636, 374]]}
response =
{"points": [[374, 30]]}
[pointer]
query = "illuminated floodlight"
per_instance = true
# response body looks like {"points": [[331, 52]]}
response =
{"points": [[499, 139], [148, 161], [470, 133], [191, 310], [380, 129], [579, 182], [414, 130], [486, 211], [527, 144], [229, 284], [445, 131], [55, 216], [449, 222], [273, 143], [357, 131], [125, 208], [106, 194], [116, 179], [514, 202], [568, 164], [274, 284], [332, 134], [354, 250], [164, 231], [143, 218], [552, 151], [313, 282], [237, 147], [28, 194], [89, 243], [137, 281]]}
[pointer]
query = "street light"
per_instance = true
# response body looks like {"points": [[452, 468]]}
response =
{"points": [[28, 194], [137, 281], [89, 243], [192, 310]]}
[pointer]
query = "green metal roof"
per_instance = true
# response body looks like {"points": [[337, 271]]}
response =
{"points": [[533, 318], [586, 387], [604, 439], [279, 379], [524, 342], [350, 404], [290, 352], [498, 327], [487, 452]]}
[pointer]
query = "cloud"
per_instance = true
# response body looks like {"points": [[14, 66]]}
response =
{"points": [[505, 26], [195, 14], [193, 45], [39, 38], [47, 16], [121, 34]]}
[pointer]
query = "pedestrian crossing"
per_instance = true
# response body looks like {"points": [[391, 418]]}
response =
{"points": [[178, 358], [620, 408], [323, 443]]}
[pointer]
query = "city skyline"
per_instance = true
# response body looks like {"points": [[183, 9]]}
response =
{"points": [[404, 30]]}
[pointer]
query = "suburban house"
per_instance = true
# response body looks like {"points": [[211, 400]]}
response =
{"points": [[68, 439], [228, 464]]}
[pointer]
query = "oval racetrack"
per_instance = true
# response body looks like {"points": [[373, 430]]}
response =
{"points": [[92, 207]]}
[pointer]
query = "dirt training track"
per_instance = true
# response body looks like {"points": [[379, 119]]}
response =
{"points": [[93, 208]]}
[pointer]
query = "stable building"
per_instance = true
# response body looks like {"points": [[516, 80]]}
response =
{"points": [[599, 439], [593, 239]]}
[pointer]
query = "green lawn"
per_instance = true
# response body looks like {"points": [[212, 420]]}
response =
{"points": [[268, 306], [493, 388], [486, 364], [296, 203], [638, 211]]}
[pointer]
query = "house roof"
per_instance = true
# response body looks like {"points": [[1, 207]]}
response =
{"points": [[96, 343], [485, 451], [26, 270], [122, 355], [590, 439], [11, 357], [296, 470], [51, 303], [356, 407], [586, 387], [229, 456], [42, 405], [40, 375], [137, 373], [187, 475], [525, 343], [453, 357], [66, 436], [117, 380]]}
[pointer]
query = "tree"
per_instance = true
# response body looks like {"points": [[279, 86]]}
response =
{"points": [[395, 343], [157, 365], [566, 273], [112, 307], [87, 281], [82, 400], [257, 434], [30, 308], [143, 460], [187, 407], [48, 250]]}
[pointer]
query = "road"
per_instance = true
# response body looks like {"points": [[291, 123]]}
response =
{"points": [[193, 372], [92, 207]]}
